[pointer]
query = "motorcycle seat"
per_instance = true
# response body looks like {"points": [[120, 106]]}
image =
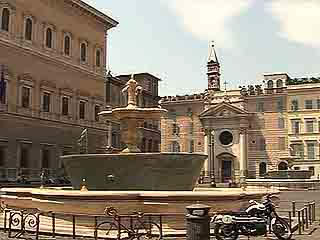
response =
{"points": [[233, 213]]}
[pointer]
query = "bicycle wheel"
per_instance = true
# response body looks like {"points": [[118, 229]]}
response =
{"points": [[149, 230], [106, 230]]}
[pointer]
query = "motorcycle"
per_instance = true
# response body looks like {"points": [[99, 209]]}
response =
{"points": [[256, 220]]}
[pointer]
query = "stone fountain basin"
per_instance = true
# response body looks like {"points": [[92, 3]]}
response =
{"points": [[135, 171], [171, 204], [135, 113]]}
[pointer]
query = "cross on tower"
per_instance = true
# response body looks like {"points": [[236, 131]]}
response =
{"points": [[225, 86]]}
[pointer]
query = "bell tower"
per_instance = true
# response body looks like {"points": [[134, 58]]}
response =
{"points": [[213, 69]]}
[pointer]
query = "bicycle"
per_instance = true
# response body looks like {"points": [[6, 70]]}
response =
{"points": [[141, 230]]}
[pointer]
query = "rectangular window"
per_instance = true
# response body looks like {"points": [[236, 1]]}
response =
{"points": [[294, 105], [281, 122], [65, 106], [318, 103], [282, 143], [260, 106], [311, 150], [191, 146], [280, 105], [295, 127], [82, 108], [296, 168], [3, 91], [308, 104], [25, 97], [46, 102], [96, 112], [45, 158], [298, 150], [24, 156], [2, 156], [309, 126]]}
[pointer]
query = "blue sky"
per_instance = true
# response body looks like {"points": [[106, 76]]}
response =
{"points": [[170, 38]]}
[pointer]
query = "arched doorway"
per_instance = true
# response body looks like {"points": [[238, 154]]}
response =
{"points": [[226, 162]]}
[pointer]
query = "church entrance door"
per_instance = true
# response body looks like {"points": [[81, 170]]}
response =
{"points": [[226, 170]]}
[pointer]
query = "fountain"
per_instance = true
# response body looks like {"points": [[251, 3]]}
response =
{"points": [[131, 169], [131, 180]]}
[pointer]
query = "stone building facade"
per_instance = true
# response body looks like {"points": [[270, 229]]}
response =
{"points": [[246, 132], [149, 131], [53, 59]]}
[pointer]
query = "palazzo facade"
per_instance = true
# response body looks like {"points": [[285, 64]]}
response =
{"points": [[248, 131], [52, 64]]}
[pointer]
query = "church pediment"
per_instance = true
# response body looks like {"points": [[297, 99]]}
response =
{"points": [[223, 110]]}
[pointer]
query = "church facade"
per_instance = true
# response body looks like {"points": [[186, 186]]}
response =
{"points": [[248, 131]]}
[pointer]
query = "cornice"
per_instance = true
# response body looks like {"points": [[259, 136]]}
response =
{"points": [[108, 21]]}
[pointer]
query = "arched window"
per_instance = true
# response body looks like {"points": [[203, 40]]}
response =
{"points": [[270, 84], [283, 166], [279, 83], [98, 58], [28, 30], [262, 169], [67, 44], [83, 52], [5, 19], [49, 38]]}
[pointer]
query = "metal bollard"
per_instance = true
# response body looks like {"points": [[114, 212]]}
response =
{"points": [[306, 215], [290, 220], [299, 223], [293, 208], [198, 222], [310, 213], [302, 218]]}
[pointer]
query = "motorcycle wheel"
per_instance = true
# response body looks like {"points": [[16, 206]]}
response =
{"points": [[281, 229], [225, 232]]}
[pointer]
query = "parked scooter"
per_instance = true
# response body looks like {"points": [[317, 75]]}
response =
{"points": [[256, 220]]}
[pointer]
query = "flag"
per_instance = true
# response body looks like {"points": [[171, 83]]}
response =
{"points": [[83, 141], [2, 88]]}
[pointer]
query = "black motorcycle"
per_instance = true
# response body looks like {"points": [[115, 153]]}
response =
{"points": [[256, 220]]}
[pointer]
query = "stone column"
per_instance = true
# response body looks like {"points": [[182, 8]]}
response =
{"points": [[243, 155], [206, 147], [209, 152], [109, 132]]}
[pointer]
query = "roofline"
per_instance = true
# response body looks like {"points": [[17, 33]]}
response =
{"points": [[275, 73], [139, 73], [96, 12]]}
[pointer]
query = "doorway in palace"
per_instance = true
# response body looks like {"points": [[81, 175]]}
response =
{"points": [[226, 170]]}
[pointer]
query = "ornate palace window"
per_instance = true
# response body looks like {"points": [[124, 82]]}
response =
{"points": [[49, 38], [28, 29], [5, 19], [82, 109], [25, 97], [67, 45], [65, 106], [83, 52], [98, 58]]}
